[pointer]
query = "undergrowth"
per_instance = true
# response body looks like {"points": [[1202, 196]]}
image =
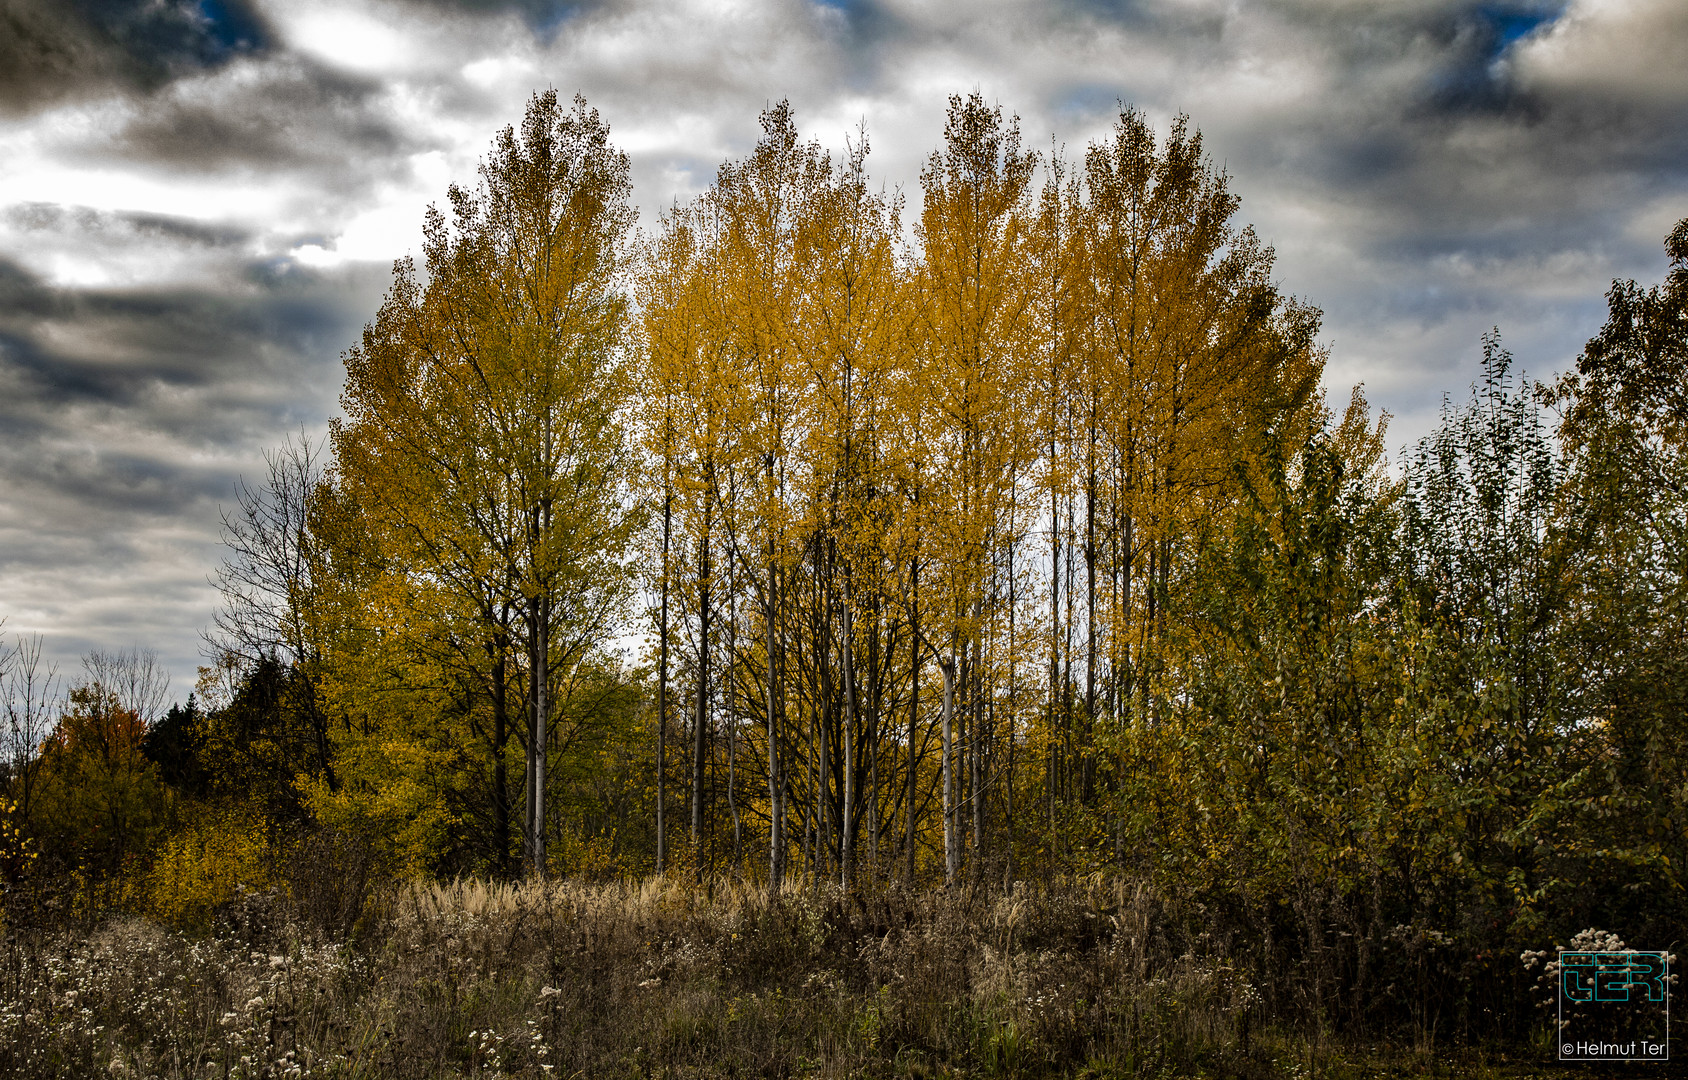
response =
{"points": [[658, 979]]}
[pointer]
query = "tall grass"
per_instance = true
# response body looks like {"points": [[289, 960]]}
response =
{"points": [[1091, 977]]}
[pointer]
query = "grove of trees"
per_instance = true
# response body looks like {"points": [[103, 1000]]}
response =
{"points": [[999, 533]]}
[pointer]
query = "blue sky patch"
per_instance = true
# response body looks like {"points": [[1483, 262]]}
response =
{"points": [[230, 28], [1509, 23]]}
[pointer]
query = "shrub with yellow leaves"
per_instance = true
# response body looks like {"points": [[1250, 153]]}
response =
{"points": [[203, 866], [16, 851]]}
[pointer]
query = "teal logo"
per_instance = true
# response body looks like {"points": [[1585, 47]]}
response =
{"points": [[1614, 1005]]}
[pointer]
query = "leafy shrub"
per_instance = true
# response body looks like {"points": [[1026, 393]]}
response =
{"points": [[205, 866]]}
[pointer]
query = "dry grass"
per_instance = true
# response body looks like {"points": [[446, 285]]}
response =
{"points": [[652, 978]]}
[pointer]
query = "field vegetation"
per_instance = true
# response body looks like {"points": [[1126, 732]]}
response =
{"points": [[1091, 977]]}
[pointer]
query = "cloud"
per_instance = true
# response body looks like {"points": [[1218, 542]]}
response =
{"points": [[126, 416], [200, 199], [1633, 51], [197, 370], [285, 115], [143, 240], [53, 49], [1424, 174]]}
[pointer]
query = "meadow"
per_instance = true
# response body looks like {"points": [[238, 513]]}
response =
{"points": [[1091, 977]]}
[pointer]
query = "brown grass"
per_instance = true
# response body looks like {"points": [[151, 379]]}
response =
{"points": [[644, 979]]}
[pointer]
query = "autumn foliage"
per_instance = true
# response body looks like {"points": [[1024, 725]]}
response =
{"points": [[823, 539]]}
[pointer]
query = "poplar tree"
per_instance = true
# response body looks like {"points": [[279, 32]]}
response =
{"points": [[483, 411], [973, 229]]}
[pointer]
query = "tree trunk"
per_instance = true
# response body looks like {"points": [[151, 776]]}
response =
{"points": [[1013, 716], [776, 824], [979, 741], [1087, 786], [951, 855], [530, 778], [662, 696], [913, 710], [702, 717], [541, 726], [729, 701], [500, 770], [875, 683], [1054, 643], [847, 834]]}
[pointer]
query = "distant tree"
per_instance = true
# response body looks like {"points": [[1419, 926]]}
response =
{"points": [[175, 745], [1488, 709], [1635, 370], [29, 692], [100, 799], [274, 583], [256, 750]]}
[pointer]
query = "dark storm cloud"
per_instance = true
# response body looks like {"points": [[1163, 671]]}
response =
{"points": [[22, 294], [1469, 99], [119, 226], [289, 114], [118, 484], [867, 25], [1473, 37], [543, 17], [51, 49], [204, 367], [126, 418]]}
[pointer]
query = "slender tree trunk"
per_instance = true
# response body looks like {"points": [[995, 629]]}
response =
{"points": [[729, 701], [1088, 765], [776, 823], [1050, 766], [541, 726], [1151, 616], [732, 796], [1162, 594], [1068, 687], [817, 753], [662, 694], [1011, 870], [702, 713], [847, 833], [500, 744], [1119, 640], [541, 663], [875, 682], [1013, 715], [976, 728], [530, 778], [1128, 572], [951, 855], [913, 712], [826, 856]]}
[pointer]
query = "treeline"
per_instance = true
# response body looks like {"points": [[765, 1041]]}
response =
{"points": [[1009, 541]]}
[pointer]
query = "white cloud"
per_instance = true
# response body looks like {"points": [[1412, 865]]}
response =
{"points": [[1632, 48]]}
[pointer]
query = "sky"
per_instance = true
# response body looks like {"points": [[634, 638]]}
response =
{"points": [[200, 202]]}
